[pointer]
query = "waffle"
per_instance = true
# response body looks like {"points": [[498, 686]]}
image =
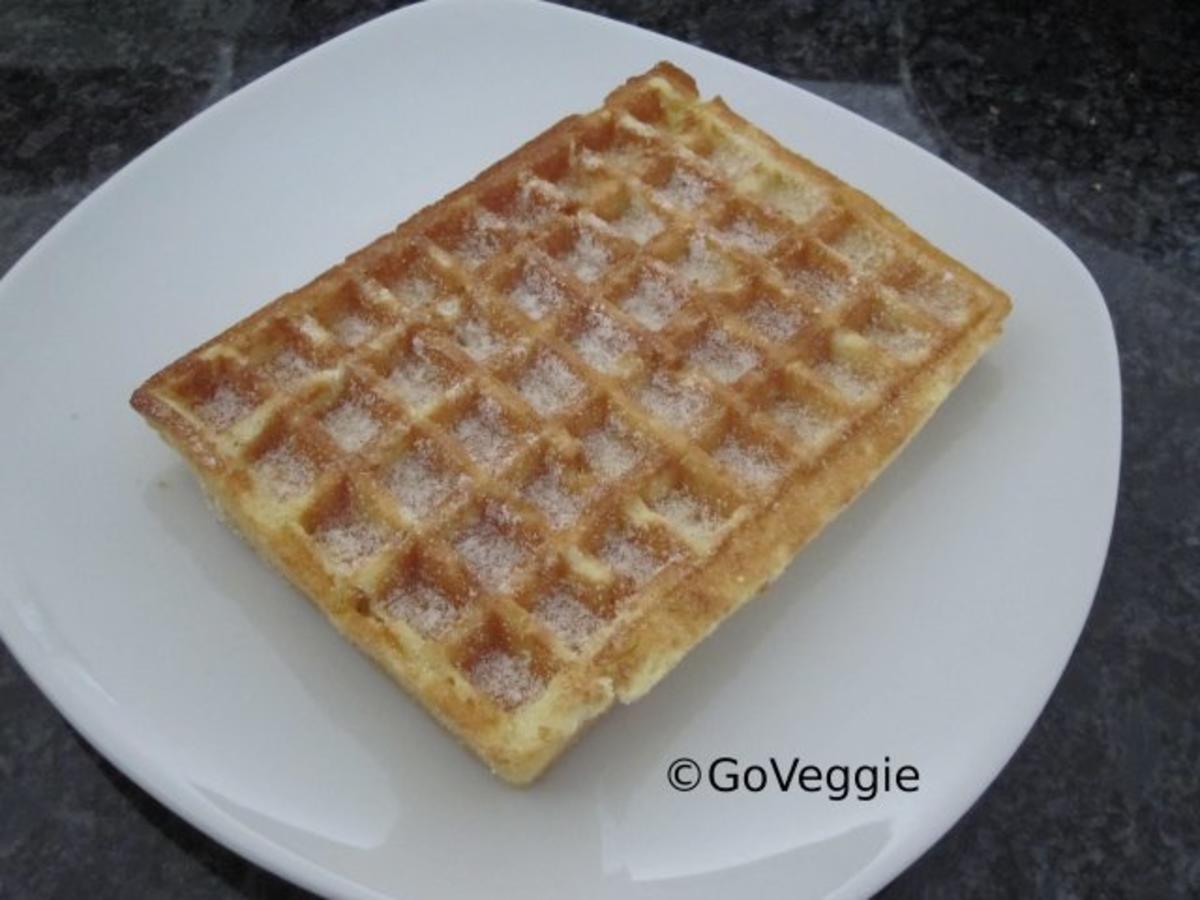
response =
{"points": [[531, 447]]}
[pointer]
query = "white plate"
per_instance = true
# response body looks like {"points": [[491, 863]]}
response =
{"points": [[929, 624]]}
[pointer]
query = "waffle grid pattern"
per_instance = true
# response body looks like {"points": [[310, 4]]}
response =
{"points": [[545, 403]]}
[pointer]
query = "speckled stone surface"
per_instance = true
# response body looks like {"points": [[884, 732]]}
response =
{"points": [[1085, 117]]}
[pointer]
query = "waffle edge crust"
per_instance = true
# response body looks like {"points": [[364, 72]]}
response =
{"points": [[530, 448]]}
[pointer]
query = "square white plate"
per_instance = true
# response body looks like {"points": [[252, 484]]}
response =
{"points": [[929, 624]]}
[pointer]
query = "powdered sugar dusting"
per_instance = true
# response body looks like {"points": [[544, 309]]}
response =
{"points": [[588, 257], [537, 292], [418, 481], [486, 436], [311, 328], [353, 329], [816, 285], [375, 290], [773, 322], [417, 290], [867, 249], [602, 342], [945, 298], [731, 160], [611, 450], [722, 357], [806, 424], [746, 234], [536, 201], [288, 472], [688, 515], [900, 341], [677, 404], [797, 200], [749, 463], [550, 494], [350, 425], [507, 679], [849, 383], [288, 366], [549, 385], [226, 406], [475, 337], [684, 189], [573, 622], [477, 248], [591, 160], [418, 379], [702, 265], [653, 301], [348, 543], [638, 222], [426, 609], [492, 556], [627, 556], [481, 241]]}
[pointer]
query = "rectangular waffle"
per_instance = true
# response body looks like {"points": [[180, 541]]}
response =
{"points": [[531, 447]]}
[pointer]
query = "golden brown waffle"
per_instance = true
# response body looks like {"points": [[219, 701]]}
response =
{"points": [[532, 446]]}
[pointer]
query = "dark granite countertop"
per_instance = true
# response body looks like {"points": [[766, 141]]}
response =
{"points": [[1086, 118]]}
